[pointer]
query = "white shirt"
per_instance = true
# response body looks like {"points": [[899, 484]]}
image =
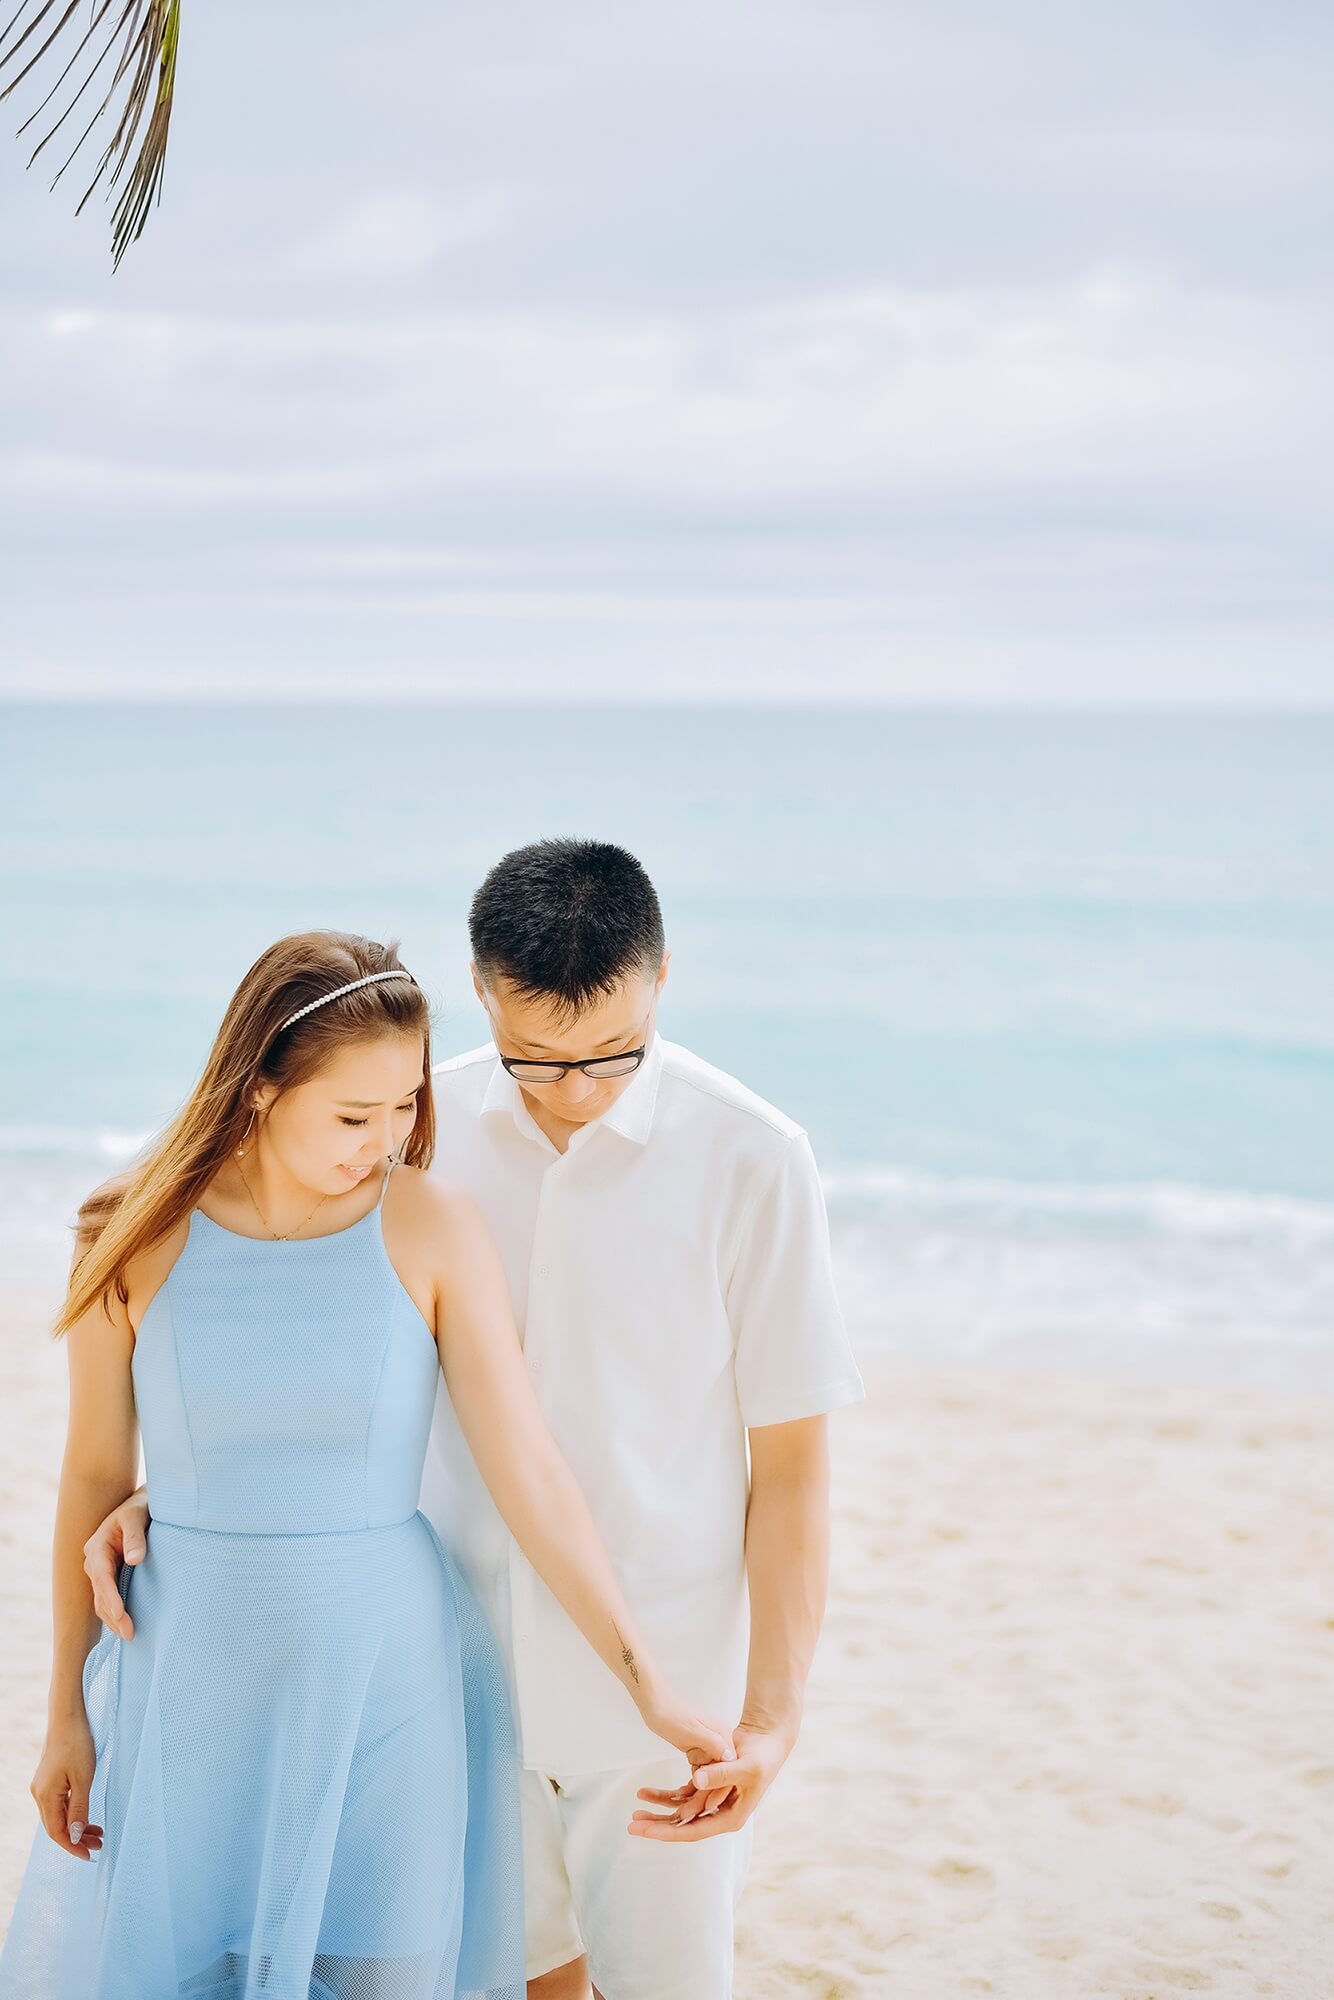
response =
{"points": [[671, 1281]]}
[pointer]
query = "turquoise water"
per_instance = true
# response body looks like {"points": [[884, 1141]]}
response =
{"points": [[1054, 995]]}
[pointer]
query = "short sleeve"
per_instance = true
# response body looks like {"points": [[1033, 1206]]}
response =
{"points": [[793, 1356]]}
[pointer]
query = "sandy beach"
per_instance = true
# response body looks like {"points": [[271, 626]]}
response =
{"points": [[1071, 1727]]}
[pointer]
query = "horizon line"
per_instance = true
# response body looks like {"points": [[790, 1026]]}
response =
{"points": [[1242, 708]]}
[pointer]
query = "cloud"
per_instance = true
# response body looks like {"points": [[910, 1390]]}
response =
{"points": [[860, 402], [977, 339], [400, 230]]}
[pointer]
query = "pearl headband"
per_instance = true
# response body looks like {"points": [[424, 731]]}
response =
{"points": [[352, 986]]}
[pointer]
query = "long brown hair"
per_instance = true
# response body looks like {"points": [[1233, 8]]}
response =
{"points": [[127, 1217]]}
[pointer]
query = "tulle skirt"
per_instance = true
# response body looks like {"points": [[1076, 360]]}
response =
{"points": [[308, 1779]]}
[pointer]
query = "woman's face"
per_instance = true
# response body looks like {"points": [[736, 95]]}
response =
{"points": [[332, 1131]]}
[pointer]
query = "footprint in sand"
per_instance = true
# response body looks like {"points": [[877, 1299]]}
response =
{"points": [[1091, 1812], [961, 1874], [1058, 1946], [1152, 1802], [1272, 1853]]}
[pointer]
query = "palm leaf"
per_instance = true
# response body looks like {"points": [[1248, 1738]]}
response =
{"points": [[148, 43]]}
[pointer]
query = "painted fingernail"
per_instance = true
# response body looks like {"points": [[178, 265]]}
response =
{"points": [[76, 1831]]}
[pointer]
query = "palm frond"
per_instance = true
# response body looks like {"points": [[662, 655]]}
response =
{"points": [[147, 33]]}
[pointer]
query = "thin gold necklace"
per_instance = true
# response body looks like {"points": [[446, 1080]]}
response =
{"points": [[277, 1235]]}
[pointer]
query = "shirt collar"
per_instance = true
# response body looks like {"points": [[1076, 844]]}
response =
{"points": [[631, 1114]]}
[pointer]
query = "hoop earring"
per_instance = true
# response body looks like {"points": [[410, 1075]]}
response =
{"points": [[240, 1151]]}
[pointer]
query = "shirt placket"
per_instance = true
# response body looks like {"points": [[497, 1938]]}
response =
{"points": [[531, 1690]]}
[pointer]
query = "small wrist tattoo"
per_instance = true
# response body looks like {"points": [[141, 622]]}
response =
{"points": [[628, 1658]]}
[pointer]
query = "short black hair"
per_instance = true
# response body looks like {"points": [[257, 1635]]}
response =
{"points": [[566, 921]]}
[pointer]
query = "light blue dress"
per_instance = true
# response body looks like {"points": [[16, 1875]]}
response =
{"points": [[306, 1756]]}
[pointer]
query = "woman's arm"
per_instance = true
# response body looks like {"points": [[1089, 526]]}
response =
{"points": [[100, 1462], [534, 1490]]}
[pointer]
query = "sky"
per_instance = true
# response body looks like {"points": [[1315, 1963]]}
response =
{"points": [[812, 350]]}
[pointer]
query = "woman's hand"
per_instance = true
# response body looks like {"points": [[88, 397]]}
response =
{"points": [[736, 1789], [62, 1785], [122, 1538], [681, 1725]]}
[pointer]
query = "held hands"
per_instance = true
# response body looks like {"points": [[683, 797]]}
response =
{"points": [[677, 1723], [722, 1796], [122, 1537]]}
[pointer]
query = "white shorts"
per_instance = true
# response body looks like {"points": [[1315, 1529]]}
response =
{"points": [[654, 1917]]}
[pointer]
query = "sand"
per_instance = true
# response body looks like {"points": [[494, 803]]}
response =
{"points": [[1071, 1726]]}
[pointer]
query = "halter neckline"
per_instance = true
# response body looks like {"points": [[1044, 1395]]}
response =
{"points": [[329, 1236]]}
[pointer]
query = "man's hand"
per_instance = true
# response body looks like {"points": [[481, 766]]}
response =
{"points": [[721, 1797], [122, 1538]]}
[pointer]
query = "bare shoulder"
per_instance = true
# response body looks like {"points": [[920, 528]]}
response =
{"points": [[97, 1208], [438, 1239], [437, 1207], [94, 1213]]}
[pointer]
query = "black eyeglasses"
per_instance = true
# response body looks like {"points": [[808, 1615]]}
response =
{"points": [[524, 1071]]}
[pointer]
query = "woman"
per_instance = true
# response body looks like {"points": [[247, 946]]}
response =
{"points": [[298, 1778]]}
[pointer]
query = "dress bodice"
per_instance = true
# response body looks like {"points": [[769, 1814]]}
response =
{"points": [[284, 1387]]}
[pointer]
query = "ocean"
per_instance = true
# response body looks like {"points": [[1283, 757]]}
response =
{"points": [[1053, 994]]}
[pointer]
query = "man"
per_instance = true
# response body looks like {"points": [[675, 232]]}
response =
{"points": [[665, 1241]]}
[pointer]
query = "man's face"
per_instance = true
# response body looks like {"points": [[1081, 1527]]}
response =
{"points": [[527, 1028]]}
